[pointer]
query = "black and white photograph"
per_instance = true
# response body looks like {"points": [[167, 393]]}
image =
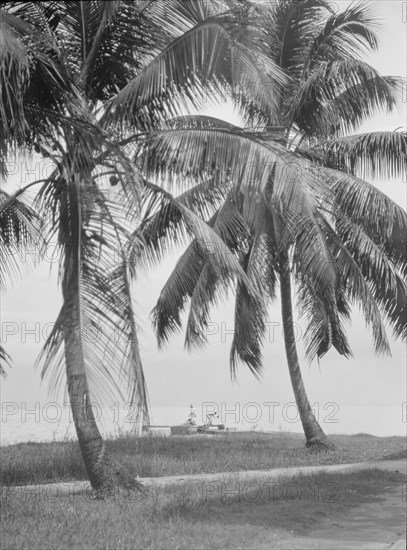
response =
{"points": [[203, 275]]}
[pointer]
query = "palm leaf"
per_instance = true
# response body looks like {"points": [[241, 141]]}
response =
{"points": [[338, 95], [163, 226], [195, 277], [166, 315], [388, 287], [358, 101], [14, 69], [230, 153], [211, 285], [323, 324], [382, 219], [358, 290], [20, 228], [345, 34], [250, 312], [379, 154], [289, 25], [5, 361], [90, 235], [182, 75]]}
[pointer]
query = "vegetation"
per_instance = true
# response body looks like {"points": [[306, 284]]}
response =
{"points": [[290, 201], [29, 463], [93, 87], [184, 517], [19, 227], [81, 83]]}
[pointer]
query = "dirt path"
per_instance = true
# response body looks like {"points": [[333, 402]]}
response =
{"points": [[370, 526], [76, 487], [393, 465]]}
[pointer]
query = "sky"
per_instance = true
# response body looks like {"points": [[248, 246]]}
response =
{"points": [[177, 378]]}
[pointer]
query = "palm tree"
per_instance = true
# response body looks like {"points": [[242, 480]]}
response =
{"points": [[81, 84], [290, 201], [19, 227]]}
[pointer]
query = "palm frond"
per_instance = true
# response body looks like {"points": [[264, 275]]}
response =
{"points": [[289, 25], [166, 315], [118, 287], [251, 312], [5, 361], [294, 213], [384, 221], [90, 235], [230, 153], [210, 290], [14, 70], [323, 323], [377, 154], [20, 229], [219, 255], [338, 95], [251, 162], [89, 14], [196, 277], [35, 80], [346, 34], [312, 257], [362, 99], [163, 227], [112, 40], [359, 291], [211, 287], [183, 76], [388, 287]]}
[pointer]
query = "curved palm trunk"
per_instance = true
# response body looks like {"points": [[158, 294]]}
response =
{"points": [[315, 436], [104, 473], [90, 440]]}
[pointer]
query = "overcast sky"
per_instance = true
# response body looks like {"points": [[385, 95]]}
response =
{"points": [[176, 378]]}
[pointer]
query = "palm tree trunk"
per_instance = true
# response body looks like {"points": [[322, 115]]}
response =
{"points": [[105, 474], [315, 436]]}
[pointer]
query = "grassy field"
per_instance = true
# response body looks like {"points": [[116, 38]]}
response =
{"points": [[29, 463], [184, 517]]}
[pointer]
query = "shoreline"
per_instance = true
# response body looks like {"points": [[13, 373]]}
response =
{"points": [[216, 435], [242, 433], [46, 422]]}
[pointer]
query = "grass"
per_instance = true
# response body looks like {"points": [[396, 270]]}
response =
{"points": [[182, 517], [31, 463]]}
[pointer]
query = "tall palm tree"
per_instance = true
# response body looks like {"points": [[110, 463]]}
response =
{"points": [[81, 84], [290, 201]]}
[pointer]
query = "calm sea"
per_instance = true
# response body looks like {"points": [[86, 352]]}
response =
{"points": [[53, 423]]}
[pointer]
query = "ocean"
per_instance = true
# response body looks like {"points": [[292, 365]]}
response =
{"points": [[54, 423]]}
